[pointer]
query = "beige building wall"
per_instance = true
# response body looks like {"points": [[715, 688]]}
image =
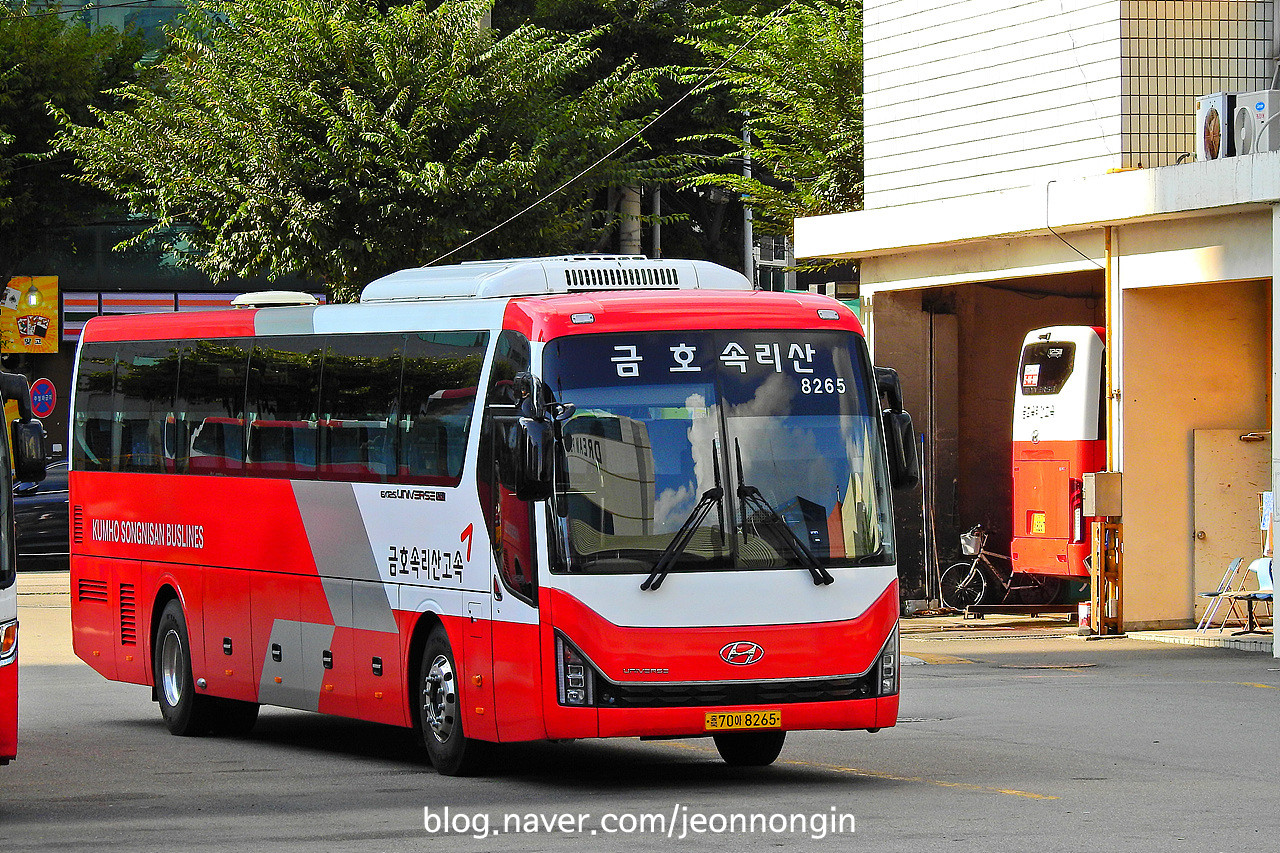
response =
{"points": [[1195, 357]]}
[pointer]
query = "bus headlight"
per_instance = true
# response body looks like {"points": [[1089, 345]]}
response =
{"points": [[888, 665], [575, 678], [8, 642]]}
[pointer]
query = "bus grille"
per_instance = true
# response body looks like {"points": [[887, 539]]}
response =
{"points": [[611, 278], [92, 590], [128, 616], [737, 693]]}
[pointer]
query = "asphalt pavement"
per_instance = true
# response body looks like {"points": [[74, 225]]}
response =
{"points": [[1014, 735]]}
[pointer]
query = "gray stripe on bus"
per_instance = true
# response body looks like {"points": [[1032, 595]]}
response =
{"points": [[301, 667], [343, 556], [285, 321]]}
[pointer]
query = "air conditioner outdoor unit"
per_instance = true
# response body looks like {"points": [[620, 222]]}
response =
{"points": [[1256, 127], [1213, 126]]}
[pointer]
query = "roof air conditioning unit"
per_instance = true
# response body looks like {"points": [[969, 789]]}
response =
{"points": [[1257, 125], [1213, 126]]}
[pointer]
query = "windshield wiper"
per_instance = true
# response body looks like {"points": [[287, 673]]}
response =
{"points": [[676, 547], [749, 496], [678, 544]]}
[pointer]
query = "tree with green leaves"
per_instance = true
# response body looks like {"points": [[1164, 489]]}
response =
{"points": [[46, 58], [796, 83], [343, 140], [703, 220]]}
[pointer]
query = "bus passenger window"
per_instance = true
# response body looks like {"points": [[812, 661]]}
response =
{"points": [[95, 386], [208, 435], [358, 397], [283, 387], [437, 397], [146, 380]]}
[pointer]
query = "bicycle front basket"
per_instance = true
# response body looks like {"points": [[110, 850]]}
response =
{"points": [[971, 544]]}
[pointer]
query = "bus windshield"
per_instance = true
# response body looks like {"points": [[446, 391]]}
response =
{"points": [[714, 450]]}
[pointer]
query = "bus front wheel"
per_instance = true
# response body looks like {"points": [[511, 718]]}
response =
{"points": [[440, 710], [184, 712], [749, 749]]}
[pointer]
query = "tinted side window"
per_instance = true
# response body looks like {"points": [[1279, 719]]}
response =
{"points": [[209, 417], [146, 381], [95, 408], [282, 400], [358, 400], [124, 406], [9, 554], [437, 398]]}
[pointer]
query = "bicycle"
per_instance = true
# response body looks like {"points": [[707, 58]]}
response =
{"points": [[967, 584]]}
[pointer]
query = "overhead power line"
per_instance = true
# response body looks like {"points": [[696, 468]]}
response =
{"points": [[632, 138]]}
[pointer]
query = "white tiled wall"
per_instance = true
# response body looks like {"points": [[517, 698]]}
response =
{"points": [[971, 96]]}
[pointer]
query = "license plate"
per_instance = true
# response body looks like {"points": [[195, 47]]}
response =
{"points": [[744, 720], [1037, 523]]}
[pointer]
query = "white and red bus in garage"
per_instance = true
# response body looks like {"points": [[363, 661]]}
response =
{"points": [[499, 501], [1059, 435]]}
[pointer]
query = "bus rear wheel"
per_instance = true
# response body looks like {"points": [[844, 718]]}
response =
{"points": [[440, 710], [185, 713], [749, 749]]}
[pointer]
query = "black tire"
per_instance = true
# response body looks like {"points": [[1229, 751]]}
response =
{"points": [[960, 590], [452, 753], [233, 717], [185, 712], [749, 749]]}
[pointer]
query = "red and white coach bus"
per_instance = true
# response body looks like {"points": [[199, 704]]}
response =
{"points": [[26, 437], [499, 501], [1058, 437]]}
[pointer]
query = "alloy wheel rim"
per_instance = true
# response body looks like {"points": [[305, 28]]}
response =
{"points": [[439, 699], [171, 671]]}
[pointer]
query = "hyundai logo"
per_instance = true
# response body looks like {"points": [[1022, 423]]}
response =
{"points": [[741, 653]]}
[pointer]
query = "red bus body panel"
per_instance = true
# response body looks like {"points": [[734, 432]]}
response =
{"points": [[1042, 475], [9, 711], [691, 655]]}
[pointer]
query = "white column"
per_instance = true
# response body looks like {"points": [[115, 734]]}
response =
{"points": [[1115, 355]]}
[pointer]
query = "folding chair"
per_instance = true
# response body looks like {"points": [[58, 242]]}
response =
{"points": [[1265, 592], [1231, 582]]}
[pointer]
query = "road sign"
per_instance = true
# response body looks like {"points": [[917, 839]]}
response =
{"points": [[44, 396]]}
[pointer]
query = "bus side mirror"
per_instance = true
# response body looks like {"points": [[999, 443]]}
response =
{"points": [[900, 441], [533, 439], [899, 433], [889, 387], [28, 450], [533, 448]]}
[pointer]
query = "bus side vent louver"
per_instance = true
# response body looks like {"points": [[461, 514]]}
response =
{"points": [[128, 615], [77, 526], [618, 279], [91, 590]]}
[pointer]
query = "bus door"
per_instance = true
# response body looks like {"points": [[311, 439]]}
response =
{"points": [[516, 658], [1058, 437]]}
